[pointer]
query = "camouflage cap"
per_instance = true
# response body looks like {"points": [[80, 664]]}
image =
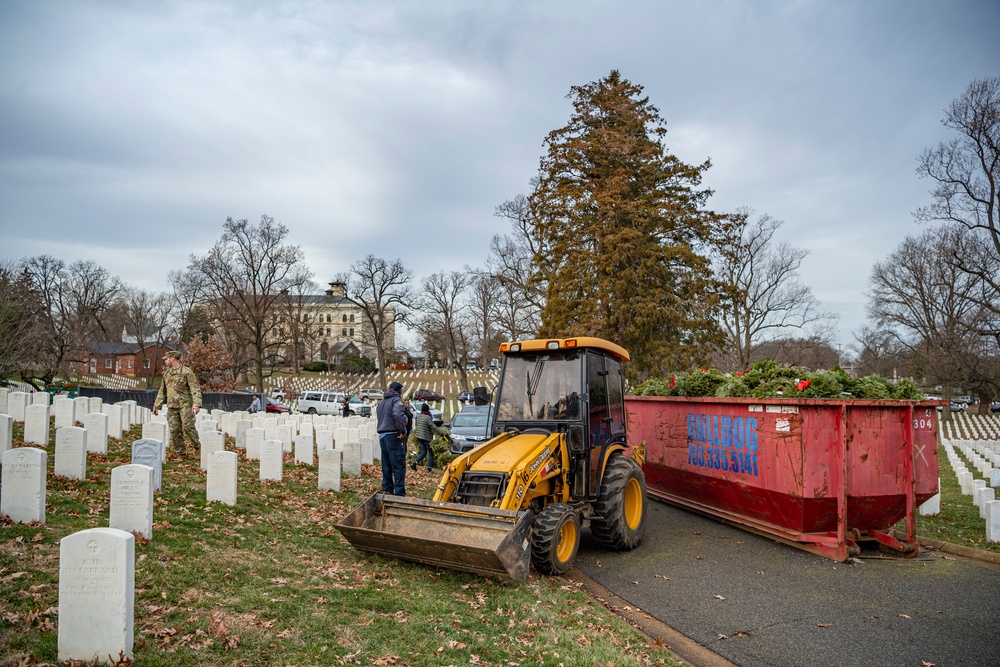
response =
{"points": [[172, 354]]}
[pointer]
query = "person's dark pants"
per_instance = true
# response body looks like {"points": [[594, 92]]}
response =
{"points": [[425, 450], [393, 464]]}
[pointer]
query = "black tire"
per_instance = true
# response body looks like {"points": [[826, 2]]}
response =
{"points": [[620, 511], [555, 538], [312, 411]]}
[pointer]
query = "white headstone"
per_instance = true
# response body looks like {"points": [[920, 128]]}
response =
{"points": [[340, 437], [324, 440], [36, 425], [4, 391], [986, 494], [933, 505], [64, 410], [149, 452], [993, 521], [17, 401], [306, 428], [132, 499], [228, 424], [965, 483], [284, 433], [270, 428], [41, 398], [25, 470], [995, 477], [271, 460], [96, 594], [367, 450], [94, 404], [81, 406], [304, 449], [353, 435], [242, 426], [156, 430], [207, 425], [6, 432], [211, 441], [114, 413], [329, 469], [96, 424], [220, 483], [352, 458], [255, 436], [71, 453]]}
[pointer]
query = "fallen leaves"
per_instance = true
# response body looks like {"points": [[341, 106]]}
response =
{"points": [[824, 625]]}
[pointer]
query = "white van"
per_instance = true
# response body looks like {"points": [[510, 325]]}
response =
{"points": [[331, 403]]}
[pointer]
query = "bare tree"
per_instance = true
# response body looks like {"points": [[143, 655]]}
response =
{"points": [[147, 317], [966, 170], [929, 305], [484, 309], [382, 291], [240, 281], [512, 262], [22, 321], [762, 295], [75, 300], [445, 311], [300, 334]]}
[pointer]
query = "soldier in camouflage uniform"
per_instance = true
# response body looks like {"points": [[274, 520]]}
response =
{"points": [[179, 389]]}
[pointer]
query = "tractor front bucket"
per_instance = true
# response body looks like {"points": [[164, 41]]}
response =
{"points": [[450, 535]]}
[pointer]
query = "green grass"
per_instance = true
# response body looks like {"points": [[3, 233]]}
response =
{"points": [[270, 581], [959, 521]]}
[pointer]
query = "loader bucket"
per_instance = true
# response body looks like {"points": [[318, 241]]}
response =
{"points": [[450, 535]]}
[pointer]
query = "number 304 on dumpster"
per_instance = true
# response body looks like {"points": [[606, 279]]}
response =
{"points": [[726, 443]]}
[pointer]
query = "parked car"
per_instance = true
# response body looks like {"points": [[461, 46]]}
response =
{"points": [[332, 403], [963, 399], [278, 395], [466, 397], [956, 406], [273, 406], [436, 415], [476, 408], [995, 407], [427, 395], [472, 366], [469, 429], [370, 394]]}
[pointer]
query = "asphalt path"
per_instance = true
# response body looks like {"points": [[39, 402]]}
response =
{"points": [[757, 602]]}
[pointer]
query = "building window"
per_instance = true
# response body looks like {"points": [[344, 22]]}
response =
{"points": [[146, 364], [328, 331], [345, 317], [352, 332], [344, 333], [352, 317], [130, 362], [108, 364], [329, 318]]}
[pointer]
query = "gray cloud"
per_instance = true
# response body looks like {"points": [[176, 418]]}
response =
{"points": [[130, 131]]}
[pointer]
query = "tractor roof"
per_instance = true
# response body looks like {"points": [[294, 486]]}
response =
{"points": [[542, 344]]}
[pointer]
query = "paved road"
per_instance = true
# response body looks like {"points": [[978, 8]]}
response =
{"points": [[757, 602]]}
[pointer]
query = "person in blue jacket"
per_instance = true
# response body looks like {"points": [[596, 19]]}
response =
{"points": [[391, 425]]}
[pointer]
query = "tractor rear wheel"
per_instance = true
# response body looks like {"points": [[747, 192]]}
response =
{"points": [[620, 511], [555, 538]]}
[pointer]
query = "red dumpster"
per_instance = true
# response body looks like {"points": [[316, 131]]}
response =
{"points": [[819, 474]]}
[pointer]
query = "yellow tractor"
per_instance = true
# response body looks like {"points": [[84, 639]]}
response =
{"points": [[558, 460]]}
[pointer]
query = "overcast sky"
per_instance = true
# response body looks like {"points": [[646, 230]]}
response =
{"points": [[130, 131]]}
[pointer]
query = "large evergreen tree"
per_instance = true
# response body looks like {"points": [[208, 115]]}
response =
{"points": [[622, 232]]}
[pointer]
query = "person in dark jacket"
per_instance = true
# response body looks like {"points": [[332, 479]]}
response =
{"points": [[346, 407], [409, 419], [391, 427], [424, 430]]}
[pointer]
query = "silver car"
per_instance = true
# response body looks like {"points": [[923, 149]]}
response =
{"points": [[469, 429]]}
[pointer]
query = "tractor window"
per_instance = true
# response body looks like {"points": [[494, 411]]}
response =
{"points": [[616, 402], [597, 385], [541, 387]]}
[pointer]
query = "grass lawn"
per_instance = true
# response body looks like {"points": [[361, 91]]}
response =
{"points": [[959, 521], [271, 582]]}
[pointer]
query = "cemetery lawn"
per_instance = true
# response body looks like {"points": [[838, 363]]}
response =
{"points": [[959, 521], [270, 581]]}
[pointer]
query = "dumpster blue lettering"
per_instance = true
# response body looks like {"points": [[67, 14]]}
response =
{"points": [[721, 442]]}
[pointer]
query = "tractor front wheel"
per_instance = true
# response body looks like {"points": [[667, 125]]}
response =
{"points": [[555, 538], [620, 511]]}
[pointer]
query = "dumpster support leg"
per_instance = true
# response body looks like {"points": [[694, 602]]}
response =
{"points": [[841, 462], [911, 500]]}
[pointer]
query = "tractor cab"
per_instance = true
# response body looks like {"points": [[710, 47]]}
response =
{"points": [[571, 386]]}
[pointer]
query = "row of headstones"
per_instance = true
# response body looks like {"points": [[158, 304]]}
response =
{"points": [[112, 421], [981, 490], [981, 426]]}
